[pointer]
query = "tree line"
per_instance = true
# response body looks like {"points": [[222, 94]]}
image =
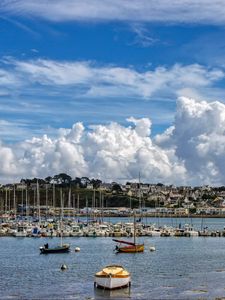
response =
{"points": [[64, 180]]}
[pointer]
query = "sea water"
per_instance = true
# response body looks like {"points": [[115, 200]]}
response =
{"points": [[180, 268]]}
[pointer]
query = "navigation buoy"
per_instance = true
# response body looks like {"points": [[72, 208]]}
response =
{"points": [[77, 249], [63, 267], [152, 248]]}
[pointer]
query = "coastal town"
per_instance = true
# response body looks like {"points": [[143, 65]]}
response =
{"points": [[92, 196], [61, 206]]}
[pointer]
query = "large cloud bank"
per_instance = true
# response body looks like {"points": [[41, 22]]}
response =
{"points": [[192, 151], [198, 138]]}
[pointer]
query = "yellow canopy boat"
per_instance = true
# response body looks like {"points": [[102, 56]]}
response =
{"points": [[112, 277]]}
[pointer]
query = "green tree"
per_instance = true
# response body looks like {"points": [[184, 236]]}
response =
{"points": [[96, 183], [48, 179], [63, 178], [117, 188]]}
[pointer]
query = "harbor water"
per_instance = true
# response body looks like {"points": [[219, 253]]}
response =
{"points": [[180, 268]]}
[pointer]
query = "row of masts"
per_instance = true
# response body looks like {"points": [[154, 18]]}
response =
{"points": [[8, 206], [31, 201]]}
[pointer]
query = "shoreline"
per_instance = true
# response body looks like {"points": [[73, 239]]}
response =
{"points": [[153, 216], [98, 216]]}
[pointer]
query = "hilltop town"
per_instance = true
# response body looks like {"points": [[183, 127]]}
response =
{"points": [[82, 195]]}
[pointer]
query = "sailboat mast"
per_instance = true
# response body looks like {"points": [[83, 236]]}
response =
{"points": [[14, 200], [69, 202], [102, 197], [46, 200], [53, 199], [26, 197], [22, 204], [61, 215], [87, 209], [6, 200], [139, 192], [38, 203], [134, 228], [9, 207], [94, 205], [78, 204], [74, 212], [34, 200]]}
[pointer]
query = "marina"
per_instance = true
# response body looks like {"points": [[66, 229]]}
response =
{"points": [[112, 227]]}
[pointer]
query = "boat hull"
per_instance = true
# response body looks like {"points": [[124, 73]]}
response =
{"points": [[63, 249], [111, 283], [130, 249], [20, 234]]}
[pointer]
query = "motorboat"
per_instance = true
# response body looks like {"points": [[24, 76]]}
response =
{"points": [[76, 231], [112, 277], [20, 232], [189, 231], [58, 249], [36, 232]]}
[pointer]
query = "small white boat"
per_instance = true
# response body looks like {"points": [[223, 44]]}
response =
{"points": [[112, 277], [20, 232]]}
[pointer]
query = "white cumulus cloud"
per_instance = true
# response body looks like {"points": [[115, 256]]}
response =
{"points": [[109, 152], [192, 151], [198, 137]]}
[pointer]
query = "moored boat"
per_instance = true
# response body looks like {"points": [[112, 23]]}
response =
{"points": [[129, 248], [62, 248], [20, 231], [112, 277], [58, 249]]}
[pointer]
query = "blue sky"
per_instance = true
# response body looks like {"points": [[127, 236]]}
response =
{"points": [[140, 45], [118, 85]]}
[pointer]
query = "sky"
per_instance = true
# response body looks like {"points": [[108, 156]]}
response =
{"points": [[108, 89]]}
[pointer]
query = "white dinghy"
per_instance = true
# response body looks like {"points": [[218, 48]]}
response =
{"points": [[112, 277]]}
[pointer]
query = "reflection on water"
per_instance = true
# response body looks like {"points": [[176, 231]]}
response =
{"points": [[123, 293]]}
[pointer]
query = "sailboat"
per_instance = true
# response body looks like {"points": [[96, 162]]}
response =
{"points": [[62, 248], [129, 247]]}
